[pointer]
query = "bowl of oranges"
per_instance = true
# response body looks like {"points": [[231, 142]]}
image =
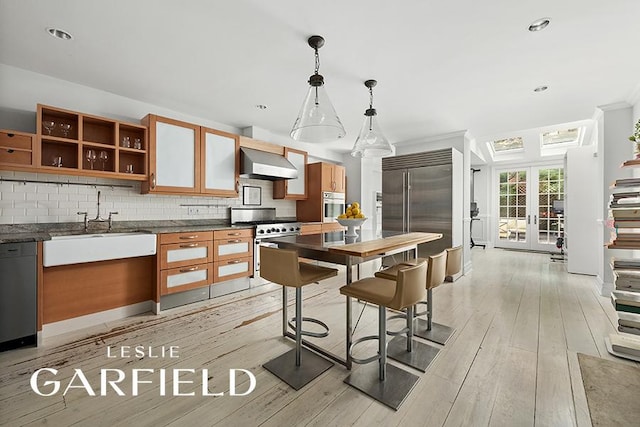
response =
{"points": [[352, 218]]}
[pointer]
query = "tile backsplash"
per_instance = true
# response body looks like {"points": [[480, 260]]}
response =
{"points": [[25, 202]]}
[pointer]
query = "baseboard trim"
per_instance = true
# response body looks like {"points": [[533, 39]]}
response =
{"points": [[70, 325]]}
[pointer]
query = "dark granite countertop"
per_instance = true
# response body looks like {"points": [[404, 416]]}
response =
{"points": [[18, 233]]}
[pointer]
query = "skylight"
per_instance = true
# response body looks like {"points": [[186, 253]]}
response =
{"points": [[567, 136], [507, 144]]}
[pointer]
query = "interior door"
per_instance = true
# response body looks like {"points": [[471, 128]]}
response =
{"points": [[525, 196]]}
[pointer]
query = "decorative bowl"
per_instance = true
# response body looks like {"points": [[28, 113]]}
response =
{"points": [[351, 225]]}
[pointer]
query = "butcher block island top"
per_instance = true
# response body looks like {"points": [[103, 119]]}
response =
{"points": [[366, 248], [367, 245]]}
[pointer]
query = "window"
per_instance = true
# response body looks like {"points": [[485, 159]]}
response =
{"points": [[567, 136], [507, 144]]}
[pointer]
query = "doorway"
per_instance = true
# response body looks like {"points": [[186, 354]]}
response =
{"points": [[526, 216]]}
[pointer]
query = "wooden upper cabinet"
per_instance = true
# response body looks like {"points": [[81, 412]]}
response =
{"points": [[174, 156], [293, 189], [339, 177], [333, 178], [220, 163]]}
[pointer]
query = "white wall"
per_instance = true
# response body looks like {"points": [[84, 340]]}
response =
{"points": [[614, 127], [364, 179]]}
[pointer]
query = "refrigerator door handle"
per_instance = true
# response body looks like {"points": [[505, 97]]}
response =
{"points": [[408, 201], [528, 219]]}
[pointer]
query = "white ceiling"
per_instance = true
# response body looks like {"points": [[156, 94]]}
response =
{"points": [[441, 66]]}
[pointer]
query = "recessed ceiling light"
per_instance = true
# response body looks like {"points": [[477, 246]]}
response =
{"points": [[261, 106], [541, 88], [539, 24], [59, 34]]}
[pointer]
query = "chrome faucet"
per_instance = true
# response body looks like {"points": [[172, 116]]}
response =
{"points": [[98, 218]]}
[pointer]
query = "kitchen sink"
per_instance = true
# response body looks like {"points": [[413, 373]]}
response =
{"points": [[91, 247]]}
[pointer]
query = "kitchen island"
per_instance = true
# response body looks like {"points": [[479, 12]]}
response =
{"points": [[347, 251]]}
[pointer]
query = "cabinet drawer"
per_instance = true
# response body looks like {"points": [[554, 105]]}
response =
{"points": [[310, 229], [193, 236], [232, 269], [21, 141], [232, 248], [185, 278], [331, 226], [180, 254], [232, 233], [14, 157]]}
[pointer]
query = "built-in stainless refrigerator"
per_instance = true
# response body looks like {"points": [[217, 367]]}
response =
{"points": [[423, 192]]}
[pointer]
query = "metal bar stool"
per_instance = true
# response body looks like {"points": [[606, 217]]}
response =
{"points": [[421, 355], [392, 384], [281, 266]]}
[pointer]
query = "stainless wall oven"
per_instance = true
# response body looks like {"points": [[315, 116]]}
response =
{"points": [[332, 205]]}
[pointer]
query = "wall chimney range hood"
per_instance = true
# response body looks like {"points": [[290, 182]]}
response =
{"points": [[258, 164]]}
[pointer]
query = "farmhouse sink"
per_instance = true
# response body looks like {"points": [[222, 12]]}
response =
{"points": [[79, 248]]}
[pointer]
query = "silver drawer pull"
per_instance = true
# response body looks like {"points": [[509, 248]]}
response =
{"points": [[235, 261], [186, 270], [189, 245], [193, 236], [234, 241]]}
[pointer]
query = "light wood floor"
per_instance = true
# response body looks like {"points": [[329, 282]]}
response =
{"points": [[520, 321]]}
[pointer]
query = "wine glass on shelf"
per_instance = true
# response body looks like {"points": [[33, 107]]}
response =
{"points": [[65, 128], [48, 125], [103, 156], [91, 157], [126, 142]]}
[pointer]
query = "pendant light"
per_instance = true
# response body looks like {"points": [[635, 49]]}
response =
{"points": [[371, 142], [317, 120]]}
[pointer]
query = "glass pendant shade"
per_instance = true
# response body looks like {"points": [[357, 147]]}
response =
{"points": [[317, 120], [371, 142]]}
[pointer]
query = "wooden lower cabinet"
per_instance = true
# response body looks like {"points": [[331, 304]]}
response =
{"points": [[328, 227], [193, 260], [79, 289], [185, 278], [232, 269]]}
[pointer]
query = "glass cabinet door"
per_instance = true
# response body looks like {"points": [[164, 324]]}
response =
{"points": [[174, 156], [220, 163]]}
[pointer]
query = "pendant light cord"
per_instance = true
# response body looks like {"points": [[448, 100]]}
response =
{"points": [[371, 107], [317, 69]]}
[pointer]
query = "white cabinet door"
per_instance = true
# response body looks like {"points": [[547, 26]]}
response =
{"points": [[174, 156], [220, 163]]}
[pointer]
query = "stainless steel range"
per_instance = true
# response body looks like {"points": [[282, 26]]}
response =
{"points": [[266, 225]]}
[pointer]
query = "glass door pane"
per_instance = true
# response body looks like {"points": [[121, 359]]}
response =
{"points": [[512, 208], [548, 222]]}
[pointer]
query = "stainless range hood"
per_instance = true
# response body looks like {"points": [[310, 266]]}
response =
{"points": [[263, 165]]}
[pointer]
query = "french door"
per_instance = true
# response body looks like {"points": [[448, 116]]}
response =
{"points": [[525, 214]]}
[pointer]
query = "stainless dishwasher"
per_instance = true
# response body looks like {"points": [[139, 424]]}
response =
{"points": [[18, 295]]}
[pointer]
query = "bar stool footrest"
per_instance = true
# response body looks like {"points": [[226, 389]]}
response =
{"points": [[284, 367], [391, 392], [439, 333], [421, 313], [324, 334], [401, 331], [359, 341], [419, 358]]}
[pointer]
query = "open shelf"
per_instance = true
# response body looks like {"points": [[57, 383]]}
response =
{"points": [[86, 132], [631, 163]]}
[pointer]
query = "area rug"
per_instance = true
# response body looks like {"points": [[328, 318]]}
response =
{"points": [[612, 389]]}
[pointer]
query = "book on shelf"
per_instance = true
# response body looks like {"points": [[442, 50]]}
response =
{"points": [[624, 202], [625, 345], [626, 301], [624, 244], [624, 195], [626, 182], [625, 263], [625, 223], [629, 320], [625, 213], [624, 235], [628, 330]]}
